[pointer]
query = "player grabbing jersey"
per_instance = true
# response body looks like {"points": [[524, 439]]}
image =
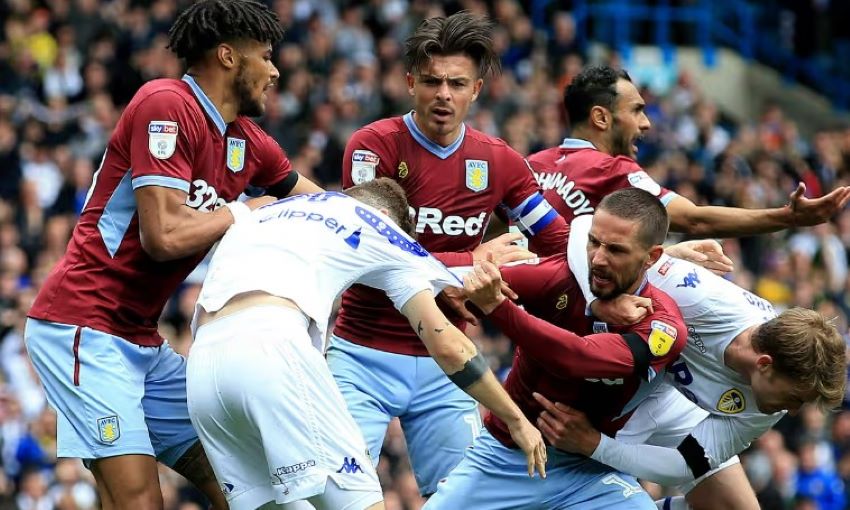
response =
{"points": [[181, 153], [604, 370], [454, 177], [265, 405], [744, 366]]}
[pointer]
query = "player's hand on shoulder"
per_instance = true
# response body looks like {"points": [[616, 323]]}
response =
{"points": [[503, 250], [707, 253], [624, 309], [812, 211], [483, 285], [530, 441], [566, 428]]}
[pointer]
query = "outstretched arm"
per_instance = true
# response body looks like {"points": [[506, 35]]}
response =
{"points": [[466, 367], [712, 221]]}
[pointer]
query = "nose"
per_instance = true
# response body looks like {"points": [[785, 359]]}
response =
{"points": [[644, 123], [443, 92], [596, 256], [275, 74]]}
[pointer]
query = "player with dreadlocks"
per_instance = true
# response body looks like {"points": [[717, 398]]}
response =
{"points": [[180, 155]]}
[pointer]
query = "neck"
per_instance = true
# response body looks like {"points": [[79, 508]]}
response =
{"points": [[740, 355], [594, 137], [215, 89]]}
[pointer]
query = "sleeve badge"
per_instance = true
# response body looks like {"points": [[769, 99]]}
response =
{"points": [[662, 336], [162, 138]]}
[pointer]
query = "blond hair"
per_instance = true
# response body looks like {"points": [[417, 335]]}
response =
{"points": [[807, 348]]}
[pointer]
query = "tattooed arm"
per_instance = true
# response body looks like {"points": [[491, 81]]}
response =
{"points": [[466, 367]]}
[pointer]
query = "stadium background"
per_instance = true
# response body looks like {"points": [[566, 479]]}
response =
{"points": [[745, 98]]}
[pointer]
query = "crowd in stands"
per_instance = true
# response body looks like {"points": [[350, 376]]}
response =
{"points": [[67, 68]]}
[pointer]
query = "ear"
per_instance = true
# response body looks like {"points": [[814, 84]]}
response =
{"points": [[411, 80], [227, 56], [654, 254], [600, 118], [476, 88], [764, 362]]}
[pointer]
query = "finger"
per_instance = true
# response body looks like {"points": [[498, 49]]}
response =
{"points": [[517, 255], [541, 460], [547, 431], [801, 188], [509, 237], [491, 257], [509, 292], [545, 402]]}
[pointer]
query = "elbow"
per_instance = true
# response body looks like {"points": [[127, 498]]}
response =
{"points": [[694, 226], [159, 248]]}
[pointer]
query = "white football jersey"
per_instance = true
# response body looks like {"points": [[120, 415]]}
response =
{"points": [[715, 311], [310, 248]]}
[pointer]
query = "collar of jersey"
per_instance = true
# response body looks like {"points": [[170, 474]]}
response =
{"points": [[206, 103], [576, 143], [589, 313], [434, 148]]}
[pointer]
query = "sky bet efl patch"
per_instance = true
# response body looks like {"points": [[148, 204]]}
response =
{"points": [[363, 166], [662, 336], [162, 138]]}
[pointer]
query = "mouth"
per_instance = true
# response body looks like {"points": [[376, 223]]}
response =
{"points": [[600, 279], [441, 114]]}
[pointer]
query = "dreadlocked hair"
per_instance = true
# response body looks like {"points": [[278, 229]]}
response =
{"points": [[208, 23]]}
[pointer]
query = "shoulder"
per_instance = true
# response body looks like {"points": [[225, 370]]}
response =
{"points": [[164, 91], [382, 127], [545, 158], [665, 308]]}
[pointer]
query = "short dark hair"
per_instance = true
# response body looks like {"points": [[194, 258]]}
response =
{"points": [[208, 23], [641, 207], [593, 86], [385, 193], [461, 33]]}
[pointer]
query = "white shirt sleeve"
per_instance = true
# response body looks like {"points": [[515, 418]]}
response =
{"points": [[720, 438], [577, 254], [403, 282]]}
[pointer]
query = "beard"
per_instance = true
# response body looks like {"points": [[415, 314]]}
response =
{"points": [[620, 144], [248, 106], [619, 284]]}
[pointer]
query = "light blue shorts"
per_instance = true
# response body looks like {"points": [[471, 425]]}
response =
{"points": [[112, 397], [439, 420], [495, 477]]}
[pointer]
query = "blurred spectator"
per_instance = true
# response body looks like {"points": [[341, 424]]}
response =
{"points": [[68, 67]]}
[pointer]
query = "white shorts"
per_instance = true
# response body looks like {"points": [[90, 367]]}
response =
{"points": [[665, 419], [266, 408]]}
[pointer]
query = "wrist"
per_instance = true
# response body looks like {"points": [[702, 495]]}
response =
{"points": [[490, 305]]}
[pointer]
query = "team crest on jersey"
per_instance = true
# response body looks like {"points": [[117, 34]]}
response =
{"points": [[476, 174], [162, 138], [665, 267], [402, 170], [563, 300], [108, 429], [363, 166], [731, 402], [235, 154], [662, 336]]}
